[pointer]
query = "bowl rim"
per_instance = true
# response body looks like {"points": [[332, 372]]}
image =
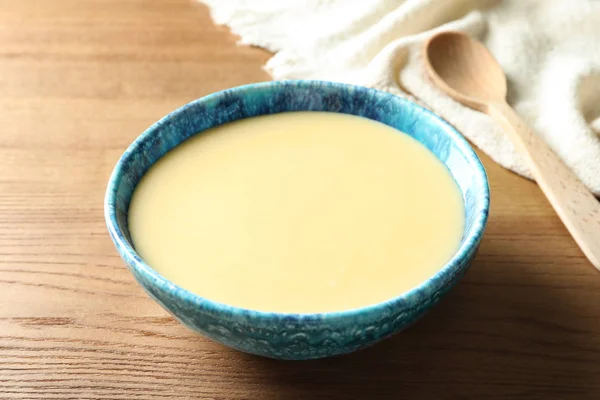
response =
{"points": [[431, 285]]}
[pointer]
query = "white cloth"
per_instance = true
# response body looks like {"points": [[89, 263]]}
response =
{"points": [[549, 49]]}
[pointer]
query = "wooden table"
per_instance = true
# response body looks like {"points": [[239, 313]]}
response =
{"points": [[79, 80]]}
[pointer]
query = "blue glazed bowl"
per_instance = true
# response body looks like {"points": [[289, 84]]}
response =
{"points": [[298, 336]]}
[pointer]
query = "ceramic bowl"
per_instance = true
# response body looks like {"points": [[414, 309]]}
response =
{"points": [[298, 336]]}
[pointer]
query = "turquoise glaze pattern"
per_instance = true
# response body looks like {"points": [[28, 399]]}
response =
{"points": [[298, 336]]}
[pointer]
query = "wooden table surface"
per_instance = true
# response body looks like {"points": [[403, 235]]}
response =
{"points": [[79, 80]]}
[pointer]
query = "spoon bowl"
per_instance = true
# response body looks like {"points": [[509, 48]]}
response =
{"points": [[473, 76]]}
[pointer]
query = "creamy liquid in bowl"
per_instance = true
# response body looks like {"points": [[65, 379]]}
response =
{"points": [[298, 212]]}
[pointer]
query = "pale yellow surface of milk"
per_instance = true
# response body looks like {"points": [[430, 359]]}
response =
{"points": [[298, 212]]}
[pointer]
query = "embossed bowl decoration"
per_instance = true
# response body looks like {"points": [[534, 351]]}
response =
{"points": [[299, 336]]}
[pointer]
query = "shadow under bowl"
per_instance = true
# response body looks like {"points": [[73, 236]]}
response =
{"points": [[299, 336]]}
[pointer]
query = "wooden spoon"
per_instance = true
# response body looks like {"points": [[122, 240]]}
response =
{"points": [[463, 68]]}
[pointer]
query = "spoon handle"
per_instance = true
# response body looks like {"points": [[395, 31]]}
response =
{"points": [[576, 206]]}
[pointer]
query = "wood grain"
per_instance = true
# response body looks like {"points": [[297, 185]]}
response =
{"points": [[79, 80]]}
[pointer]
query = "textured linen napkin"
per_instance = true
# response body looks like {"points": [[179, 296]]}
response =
{"points": [[549, 49]]}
